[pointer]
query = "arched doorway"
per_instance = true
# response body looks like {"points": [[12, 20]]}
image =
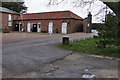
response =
{"points": [[28, 27], [16, 27], [64, 27], [34, 29], [50, 27]]}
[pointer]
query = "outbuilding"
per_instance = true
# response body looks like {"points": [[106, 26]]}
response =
{"points": [[51, 22]]}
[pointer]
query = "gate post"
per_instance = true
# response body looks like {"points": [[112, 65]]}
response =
{"points": [[65, 40]]}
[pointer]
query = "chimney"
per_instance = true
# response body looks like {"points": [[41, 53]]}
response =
{"points": [[89, 18], [89, 23]]}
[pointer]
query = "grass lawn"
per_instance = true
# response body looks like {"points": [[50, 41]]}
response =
{"points": [[89, 46]]}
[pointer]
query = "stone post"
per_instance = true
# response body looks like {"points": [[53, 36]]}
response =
{"points": [[65, 40]]}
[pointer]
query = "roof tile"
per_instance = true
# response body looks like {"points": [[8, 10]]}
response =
{"points": [[51, 15]]}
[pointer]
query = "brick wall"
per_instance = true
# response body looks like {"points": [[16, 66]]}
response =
{"points": [[5, 20], [57, 24], [14, 17], [72, 26], [76, 25], [85, 23]]}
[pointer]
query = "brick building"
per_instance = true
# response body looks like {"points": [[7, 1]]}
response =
{"points": [[51, 22], [6, 18]]}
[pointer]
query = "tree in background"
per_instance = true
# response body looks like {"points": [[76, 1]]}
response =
{"points": [[96, 25], [15, 6], [107, 33]]}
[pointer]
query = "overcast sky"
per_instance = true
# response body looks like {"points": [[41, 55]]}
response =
{"points": [[35, 6]]}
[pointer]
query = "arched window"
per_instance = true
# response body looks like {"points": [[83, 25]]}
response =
{"points": [[9, 17], [9, 20]]}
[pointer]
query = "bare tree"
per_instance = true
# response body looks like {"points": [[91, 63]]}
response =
{"points": [[56, 2], [114, 5], [82, 4]]}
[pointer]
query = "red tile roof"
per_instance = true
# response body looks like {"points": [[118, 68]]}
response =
{"points": [[51, 15]]}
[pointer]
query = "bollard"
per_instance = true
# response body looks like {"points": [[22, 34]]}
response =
{"points": [[65, 40]]}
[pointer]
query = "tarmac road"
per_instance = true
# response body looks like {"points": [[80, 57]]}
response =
{"points": [[26, 56]]}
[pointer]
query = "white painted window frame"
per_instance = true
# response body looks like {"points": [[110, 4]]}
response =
{"points": [[9, 20]]}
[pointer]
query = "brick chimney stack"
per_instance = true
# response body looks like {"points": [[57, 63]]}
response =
{"points": [[89, 18], [89, 22]]}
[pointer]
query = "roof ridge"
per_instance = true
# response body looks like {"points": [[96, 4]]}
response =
{"points": [[48, 12], [52, 15], [72, 15]]}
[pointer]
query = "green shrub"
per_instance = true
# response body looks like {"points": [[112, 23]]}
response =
{"points": [[89, 46], [5, 30], [107, 32], [56, 30]]}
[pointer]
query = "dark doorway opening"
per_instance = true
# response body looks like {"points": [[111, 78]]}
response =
{"points": [[34, 29], [16, 27]]}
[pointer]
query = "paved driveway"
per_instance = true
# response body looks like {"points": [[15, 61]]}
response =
{"points": [[27, 55], [39, 57]]}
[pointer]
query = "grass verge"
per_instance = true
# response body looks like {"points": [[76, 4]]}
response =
{"points": [[89, 46]]}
